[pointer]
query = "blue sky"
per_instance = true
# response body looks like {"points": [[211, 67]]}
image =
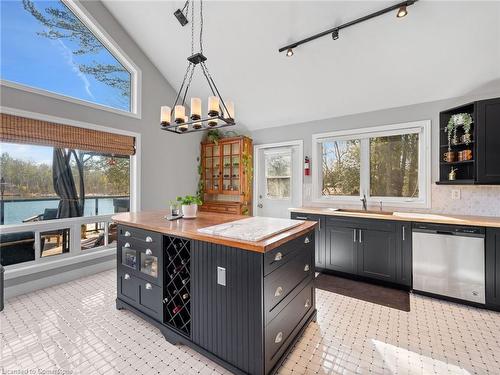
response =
{"points": [[37, 154], [40, 62]]}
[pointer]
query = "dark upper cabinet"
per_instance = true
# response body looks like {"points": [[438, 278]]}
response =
{"points": [[493, 267], [377, 254], [320, 249], [341, 248], [403, 253], [488, 141], [478, 161]]}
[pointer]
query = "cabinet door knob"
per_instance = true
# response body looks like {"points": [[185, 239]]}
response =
{"points": [[279, 291], [278, 256], [126, 245], [307, 240], [278, 337], [306, 268], [307, 304], [127, 233], [149, 239], [148, 252], [127, 276], [149, 286]]}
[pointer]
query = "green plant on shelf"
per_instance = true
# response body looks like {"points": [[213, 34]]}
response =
{"points": [[463, 120]]}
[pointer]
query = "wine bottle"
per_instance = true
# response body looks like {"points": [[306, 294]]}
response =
{"points": [[177, 309], [185, 296]]}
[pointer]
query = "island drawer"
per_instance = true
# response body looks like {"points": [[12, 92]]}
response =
{"points": [[280, 283], [282, 254], [278, 332], [140, 260], [147, 238], [140, 293]]}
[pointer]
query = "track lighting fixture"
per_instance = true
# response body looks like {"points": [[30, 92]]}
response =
{"points": [[401, 7], [402, 11]]}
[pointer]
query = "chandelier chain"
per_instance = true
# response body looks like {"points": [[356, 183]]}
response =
{"points": [[192, 29], [201, 26]]}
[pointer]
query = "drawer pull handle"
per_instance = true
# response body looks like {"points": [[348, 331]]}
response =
{"points": [[127, 276], [126, 245], [307, 304], [279, 291], [149, 252], [149, 286], [278, 256], [301, 217], [149, 239], [278, 337], [306, 268], [127, 233], [307, 240]]}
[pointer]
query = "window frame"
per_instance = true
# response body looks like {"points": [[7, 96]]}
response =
{"points": [[423, 128], [75, 253], [135, 73]]}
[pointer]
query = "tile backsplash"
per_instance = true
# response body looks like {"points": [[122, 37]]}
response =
{"points": [[474, 200]]}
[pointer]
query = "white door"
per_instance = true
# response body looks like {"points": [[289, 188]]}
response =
{"points": [[278, 179]]}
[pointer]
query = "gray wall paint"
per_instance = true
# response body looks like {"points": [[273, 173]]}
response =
{"points": [[477, 200], [169, 163]]}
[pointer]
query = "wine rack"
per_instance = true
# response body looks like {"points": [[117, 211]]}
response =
{"points": [[177, 284]]}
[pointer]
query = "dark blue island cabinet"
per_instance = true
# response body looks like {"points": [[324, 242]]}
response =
{"points": [[243, 309]]}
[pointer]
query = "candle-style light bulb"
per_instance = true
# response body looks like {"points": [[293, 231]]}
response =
{"points": [[165, 115], [195, 108], [213, 106], [179, 114]]}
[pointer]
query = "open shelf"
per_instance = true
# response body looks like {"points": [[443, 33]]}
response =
{"points": [[177, 284]]}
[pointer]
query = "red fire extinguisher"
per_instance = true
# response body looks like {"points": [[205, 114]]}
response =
{"points": [[307, 166]]}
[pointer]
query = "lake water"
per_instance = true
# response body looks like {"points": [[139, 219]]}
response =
{"points": [[16, 212]]}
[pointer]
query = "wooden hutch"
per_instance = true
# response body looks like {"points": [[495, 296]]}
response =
{"points": [[226, 174]]}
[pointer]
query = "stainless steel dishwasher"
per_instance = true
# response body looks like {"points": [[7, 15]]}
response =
{"points": [[448, 260]]}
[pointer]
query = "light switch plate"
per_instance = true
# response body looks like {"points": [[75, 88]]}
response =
{"points": [[221, 276], [455, 194]]}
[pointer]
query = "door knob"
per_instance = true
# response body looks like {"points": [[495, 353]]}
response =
{"points": [[306, 268], [127, 233], [278, 256], [126, 245], [278, 337], [149, 239], [307, 240], [279, 291], [148, 286], [148, 252], [127, 276]]}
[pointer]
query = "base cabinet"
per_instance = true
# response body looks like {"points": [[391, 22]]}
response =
{"points": [[493, 268], [377, 254], [369, 248], [341, 248]]}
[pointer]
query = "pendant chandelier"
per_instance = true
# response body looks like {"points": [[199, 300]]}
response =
{"points": [[219, 113]]}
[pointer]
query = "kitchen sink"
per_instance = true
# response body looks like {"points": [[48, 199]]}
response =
{"points": [[354, 211]]}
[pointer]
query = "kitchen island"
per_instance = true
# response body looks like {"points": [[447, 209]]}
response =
{"points": [[241, 303]]}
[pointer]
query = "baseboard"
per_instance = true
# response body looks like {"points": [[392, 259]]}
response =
{"points": [[29, 283]]}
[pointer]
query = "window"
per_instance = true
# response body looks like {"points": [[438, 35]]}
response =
{"points": [[46, 45], [388, 164], [278, 166], [29, 197]]}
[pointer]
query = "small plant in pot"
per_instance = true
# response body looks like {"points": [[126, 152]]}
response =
{"points": [[189, 204]]}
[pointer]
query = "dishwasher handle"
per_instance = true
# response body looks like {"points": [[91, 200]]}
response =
{"points": [[449, 230]]}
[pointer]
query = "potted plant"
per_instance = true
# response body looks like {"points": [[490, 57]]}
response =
{"points": [[460, 119], [189, 205]]}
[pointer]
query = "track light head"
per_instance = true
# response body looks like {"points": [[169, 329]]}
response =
{"points": [[402, 12], [289, 52], [180, 17], [335, 34]]}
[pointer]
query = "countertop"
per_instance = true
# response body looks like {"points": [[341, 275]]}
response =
{"points": [[422, 217], [188, 228]]}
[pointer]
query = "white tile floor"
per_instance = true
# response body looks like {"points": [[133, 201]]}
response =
{"points": [[74, 328]]}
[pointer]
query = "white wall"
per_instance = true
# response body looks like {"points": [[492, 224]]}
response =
{"points": [[475, 200], [169, 166]]}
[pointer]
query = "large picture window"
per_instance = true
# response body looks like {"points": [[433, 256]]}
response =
{"points": [[387, 164], [46, 45]]}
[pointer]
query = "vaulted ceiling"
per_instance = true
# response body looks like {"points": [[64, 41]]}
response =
{"points": [[440, 50]]}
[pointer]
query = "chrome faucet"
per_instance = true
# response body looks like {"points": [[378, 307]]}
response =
{"points": [[363, 200]]}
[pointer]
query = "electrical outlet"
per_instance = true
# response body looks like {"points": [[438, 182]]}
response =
{"points": [[455, 194]]}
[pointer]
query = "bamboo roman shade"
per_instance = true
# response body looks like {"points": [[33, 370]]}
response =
{"points": [[17, 129]]}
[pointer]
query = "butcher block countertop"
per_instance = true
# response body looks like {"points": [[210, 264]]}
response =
{"points": [[188, 228], [422, 217]]}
